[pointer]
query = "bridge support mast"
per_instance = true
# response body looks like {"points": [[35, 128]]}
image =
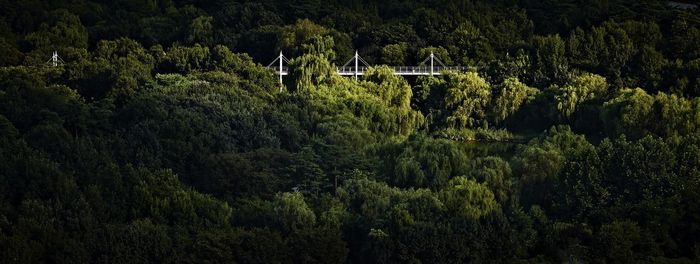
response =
{"points": [[432, 58], [281, 58], [55, 59], [357, 70]]}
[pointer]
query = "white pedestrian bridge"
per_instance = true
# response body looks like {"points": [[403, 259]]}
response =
{"points": [[358, 66]]}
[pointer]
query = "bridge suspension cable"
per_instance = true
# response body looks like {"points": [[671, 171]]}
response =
{"points": [[356, 59], [55, 60], [280, 70], [432, 59]]}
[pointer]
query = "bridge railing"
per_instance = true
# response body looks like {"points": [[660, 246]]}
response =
{"points": [[285, 69], [426, 69], [408, 70], [351, 69]]}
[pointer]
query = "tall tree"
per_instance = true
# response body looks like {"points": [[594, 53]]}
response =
{"points": [[468, 95]]}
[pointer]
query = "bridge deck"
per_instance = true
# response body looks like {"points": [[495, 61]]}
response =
{"points": [[398, 70]]}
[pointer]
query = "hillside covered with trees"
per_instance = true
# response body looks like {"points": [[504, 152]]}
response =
{"points": [[162, 138]]}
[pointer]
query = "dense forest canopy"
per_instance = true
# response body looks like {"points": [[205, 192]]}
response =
{"points": [[161, 137]]}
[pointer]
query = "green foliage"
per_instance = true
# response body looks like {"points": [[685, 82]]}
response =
{"points": [[12, 57], [373, 199], [395, 92], [122, 65], [429, 96], [582, 185], [302, 32], [439, 52], [497, 175], [539, 168], [633, 110], [549, 64], [618, 240], [650, 63], [62, 29], [629, 112], [176, 205], [468, 94], [394, 54], [681, 116], [653, 176], [509, 67], [186, 59], [474, 45], [161, 138], [260, 172], [141, 241], [539, 164], [380, 105], [418, 221], [201, 30], [313, 68], [422, 162], [607, 48], [510, 96], [478, 134], [294, 38], [293, 212], [578, 90], [305, 170], [392, 89], [467, 198]]}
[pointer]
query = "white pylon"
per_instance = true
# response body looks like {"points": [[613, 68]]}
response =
{"points": [[357, 71], [432, 58], [55, 59], [281, 58]]}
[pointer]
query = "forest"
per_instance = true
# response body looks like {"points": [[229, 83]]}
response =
{"points": [[161, 137]]}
